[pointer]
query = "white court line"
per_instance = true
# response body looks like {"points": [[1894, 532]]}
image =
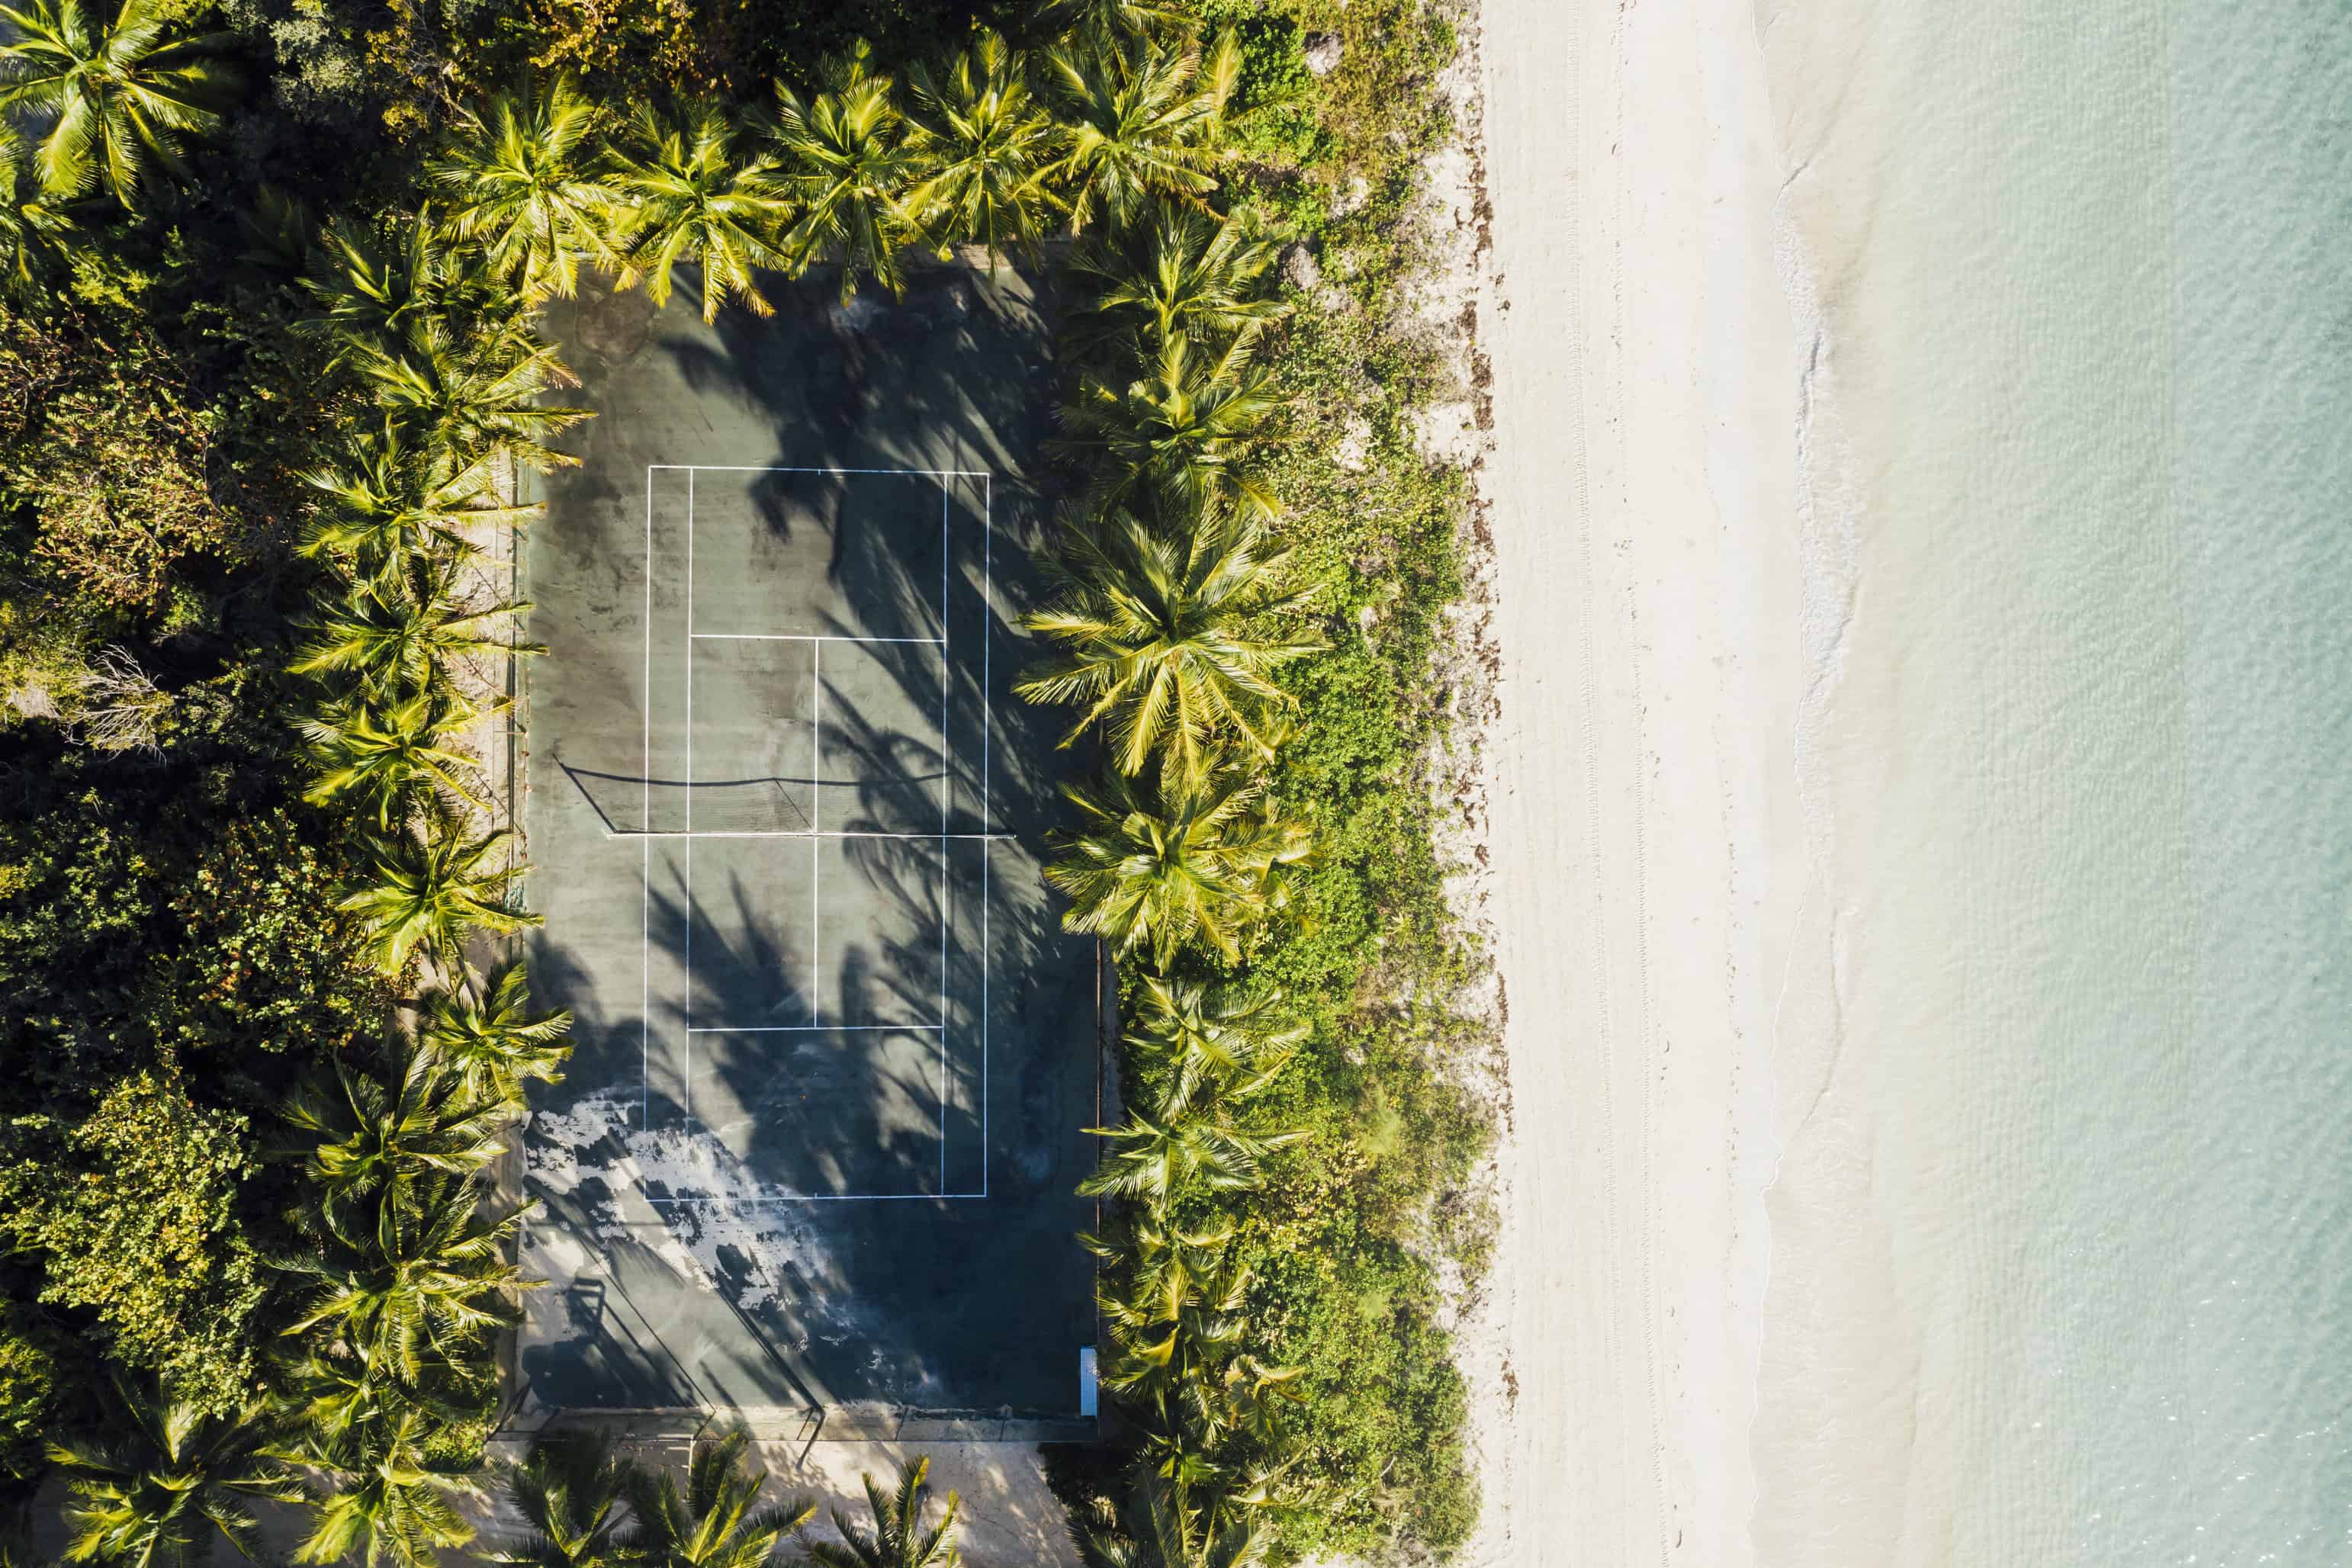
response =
{"points": [[816, 927], [645, 867], [828, 1198], [774, 468], [685, 1078], [791, 833], [645, 817], [820, 1029], [987, 698], [798, 636], [947, 766], [816, 820]]}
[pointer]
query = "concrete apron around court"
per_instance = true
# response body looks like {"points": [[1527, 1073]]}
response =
{"points": [[816, 1151], [1006, 1516]]}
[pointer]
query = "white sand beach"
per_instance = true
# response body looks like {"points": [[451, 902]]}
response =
{"points": [[1647, 861]]}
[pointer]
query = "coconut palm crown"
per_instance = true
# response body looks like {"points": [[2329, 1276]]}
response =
{"points": [[387, 501], [1153, 871], [375, 283], [117, 90], [1138, 119], [373, 1133], [380, 754], [389, 1504], [1179, 274], [1183, 425], [691, 192], [519, 182], [847, 167], [1170, 640], [413, 1281], [470, 398], [426, 890], [176, 1478], [717, 1520], [1160, 1527], [492, 1038], [569, 1490], [398, 633], [899, 1539], [986, 143], [1197, 1038]]}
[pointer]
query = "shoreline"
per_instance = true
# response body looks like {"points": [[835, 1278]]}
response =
{"points": [[1644, 834]]}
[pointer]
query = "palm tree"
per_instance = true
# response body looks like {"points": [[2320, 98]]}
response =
{"points": [[492, 1039], [376, 283], [397, 634], [31, 225], [428, 890], [1098, 22], [156, 1496], [117, 91], [1182, 274], [1173, 1301], [521, 186], [1182, 1130], [1160, 1528], [692, 195], [1157, 869], [380, 753], [568, 1491], [1177, 1331], [413, 1282], [389, 1505], [846, 168], [986, 141], [1154, 1261], [1171, 640], [388, 500], [375, 1136], [331, 1390], [1169, 1145], [715, 1522], [1139, 120], [1182, 426], [1192, 1035], [899, 1540], [477, 399]]}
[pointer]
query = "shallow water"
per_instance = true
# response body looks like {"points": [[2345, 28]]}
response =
{"points": [[2060, 1242]]}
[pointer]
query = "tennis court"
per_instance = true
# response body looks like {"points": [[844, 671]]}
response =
{"points": [[825, 949], [833, 1057]]}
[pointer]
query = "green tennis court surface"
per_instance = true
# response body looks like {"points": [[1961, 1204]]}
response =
{"points": [[833, 1054]]}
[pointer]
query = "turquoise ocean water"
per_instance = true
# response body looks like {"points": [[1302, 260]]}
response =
{"points": [[2062, 1262]]}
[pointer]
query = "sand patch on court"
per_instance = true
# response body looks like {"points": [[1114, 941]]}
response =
{"points": [[752, 1252]]}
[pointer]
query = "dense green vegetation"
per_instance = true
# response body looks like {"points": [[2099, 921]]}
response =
{"points": [[254, 434], [1250, 613]]}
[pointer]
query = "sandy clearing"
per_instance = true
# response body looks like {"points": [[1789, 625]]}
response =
{"points": [[1642, 826]]}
